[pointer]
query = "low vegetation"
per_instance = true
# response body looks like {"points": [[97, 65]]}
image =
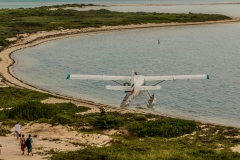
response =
{"points": [[64, 113], [4, 131], [24, 105], [152, 148], [105, 120], [207, 142], [145, 136], [4, 42], [11, 96], [163, 128], [30, 20], [142, 151], [31, 111]]}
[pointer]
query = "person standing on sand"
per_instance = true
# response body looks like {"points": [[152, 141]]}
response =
{"points": [[28, 144], [0, 147], [17, 129], [22, 143]]}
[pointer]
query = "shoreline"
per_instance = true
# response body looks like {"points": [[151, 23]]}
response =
{"points": [[30, 40]]}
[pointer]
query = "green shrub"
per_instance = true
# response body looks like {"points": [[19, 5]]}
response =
{"points": [[163, 128], [62, 119], [235, 140], [31, 111], [105, 120], [4, 42], [43, 120], [3, 116], [4, 131], [69, 108], [88, 154], [11, 96], [211, 154], [140, 118], [231, 132], [63, 113], [26, 106]]}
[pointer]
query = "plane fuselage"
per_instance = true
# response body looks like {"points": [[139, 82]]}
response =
{"points": [[139, 80]]}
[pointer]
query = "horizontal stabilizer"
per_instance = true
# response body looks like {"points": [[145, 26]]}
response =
{"points": [[98, 77], [120, 88], [148, 88], [179, 77]]}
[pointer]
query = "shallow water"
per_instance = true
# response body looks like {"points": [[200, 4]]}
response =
{"points": [[212, 49]]}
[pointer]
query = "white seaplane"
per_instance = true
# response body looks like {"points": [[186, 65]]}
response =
{"points": [[135, 85]]}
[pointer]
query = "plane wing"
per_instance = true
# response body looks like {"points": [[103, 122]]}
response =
{"points": [[128, 88], [148, 88], [98, 77], [177, 77], [120, 88]]}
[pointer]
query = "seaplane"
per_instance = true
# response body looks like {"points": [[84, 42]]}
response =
{"points": [[135, 85]]}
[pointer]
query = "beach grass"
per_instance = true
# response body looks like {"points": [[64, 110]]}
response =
{"points": [[30, 20], [142, 136]]}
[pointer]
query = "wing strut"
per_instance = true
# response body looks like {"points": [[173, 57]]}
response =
{"points": [[117, 82], [148, 93], [158, 83]]}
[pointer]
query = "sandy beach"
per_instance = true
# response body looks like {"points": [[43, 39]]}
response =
{"points": [[62, 134]]}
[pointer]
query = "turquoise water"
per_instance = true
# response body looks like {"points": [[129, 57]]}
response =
{"points": [[206, 49], [37, 3]]}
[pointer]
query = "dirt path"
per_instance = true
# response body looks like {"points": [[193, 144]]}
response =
{"points": [[11, 150], [46, 137]]}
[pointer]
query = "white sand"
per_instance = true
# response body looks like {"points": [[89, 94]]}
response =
{"points": [[236, 148], [59, 138]]}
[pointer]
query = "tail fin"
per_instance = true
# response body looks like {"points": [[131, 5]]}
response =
{"points": [[132, 82]]}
